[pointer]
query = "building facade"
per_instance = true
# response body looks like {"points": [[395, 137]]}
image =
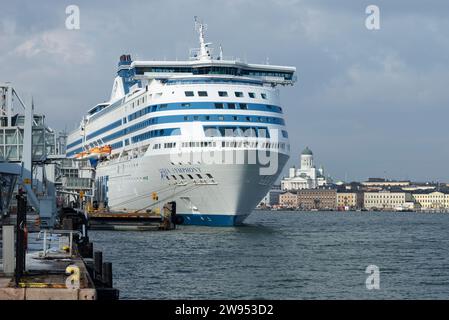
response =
{"points": [[317, 199], [271, 199], [288, 200], [387, 200], [307, 176], [432, 200]]}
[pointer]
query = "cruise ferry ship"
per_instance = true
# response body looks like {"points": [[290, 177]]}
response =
{"points": [[208, 133]]}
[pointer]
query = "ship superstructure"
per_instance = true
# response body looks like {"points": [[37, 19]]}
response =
{"points": [[207, 132]]}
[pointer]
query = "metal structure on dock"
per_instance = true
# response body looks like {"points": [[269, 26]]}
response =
{"points": [[26, 141]]}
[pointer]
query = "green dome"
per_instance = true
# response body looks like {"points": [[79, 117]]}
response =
{"points": [[307, 152]]}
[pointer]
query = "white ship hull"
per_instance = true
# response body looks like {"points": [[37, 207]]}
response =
{"points": [[225, 200]]}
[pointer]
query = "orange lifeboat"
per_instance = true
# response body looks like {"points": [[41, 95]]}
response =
{"points": [[95, 152], [81, 155], [106, 150]]}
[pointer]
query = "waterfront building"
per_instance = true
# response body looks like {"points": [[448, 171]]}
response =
{"points": [[349, 200], [318, 199], [431, 200], [307, 176], [288, 200], [271, 199], [387, 199]]}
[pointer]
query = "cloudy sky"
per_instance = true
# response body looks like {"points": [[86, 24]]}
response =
{"points": [[367, 102]]}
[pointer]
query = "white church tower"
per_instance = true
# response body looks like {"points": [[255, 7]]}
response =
{"points": [[306, 159], [292, 172], [307, 176]]}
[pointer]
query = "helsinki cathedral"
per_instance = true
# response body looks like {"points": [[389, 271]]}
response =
{"points": [[307, 176]]}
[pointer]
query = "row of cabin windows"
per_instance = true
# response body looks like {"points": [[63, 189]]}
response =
{"points": [[199, 144], [155, 133], [235, 71], [253, 144], [169, 145], [224, 144], [235, 118], [234, 144], [235, 131], [104, 129], [142, 100], [166, 106], [242, 106], [214, 144], [238, 94], [212, 117]]}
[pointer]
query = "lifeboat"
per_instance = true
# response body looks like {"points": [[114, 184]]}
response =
{"points": [[81, 155], [95, 153]]}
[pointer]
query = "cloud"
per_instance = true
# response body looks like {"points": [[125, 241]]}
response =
{"points": [[386, 82], [63, 45], [7, 27]]}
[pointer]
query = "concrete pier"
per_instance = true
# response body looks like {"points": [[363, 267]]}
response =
{"points": [[46, 279], [57, 268]]}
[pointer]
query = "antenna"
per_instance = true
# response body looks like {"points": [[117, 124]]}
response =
{"points": [[200, 27], [197, 22]]}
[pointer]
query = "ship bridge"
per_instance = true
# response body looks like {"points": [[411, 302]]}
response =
{"points": [[203, 62], [161, 70]]}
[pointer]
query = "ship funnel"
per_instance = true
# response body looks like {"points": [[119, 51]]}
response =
{"points": [[125, 59]]}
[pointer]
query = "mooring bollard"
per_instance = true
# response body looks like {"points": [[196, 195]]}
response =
{"points": [[86, 249], [174, 219], [107, 274], [89, 250], [21, 236]]}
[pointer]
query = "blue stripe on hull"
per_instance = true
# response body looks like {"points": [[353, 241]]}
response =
{"points": [[213, 220]]}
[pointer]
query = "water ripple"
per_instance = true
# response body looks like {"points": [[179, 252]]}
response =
{"points": [[285, 255]]}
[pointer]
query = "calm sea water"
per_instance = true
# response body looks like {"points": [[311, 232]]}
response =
{"points": [[285, 255]]}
